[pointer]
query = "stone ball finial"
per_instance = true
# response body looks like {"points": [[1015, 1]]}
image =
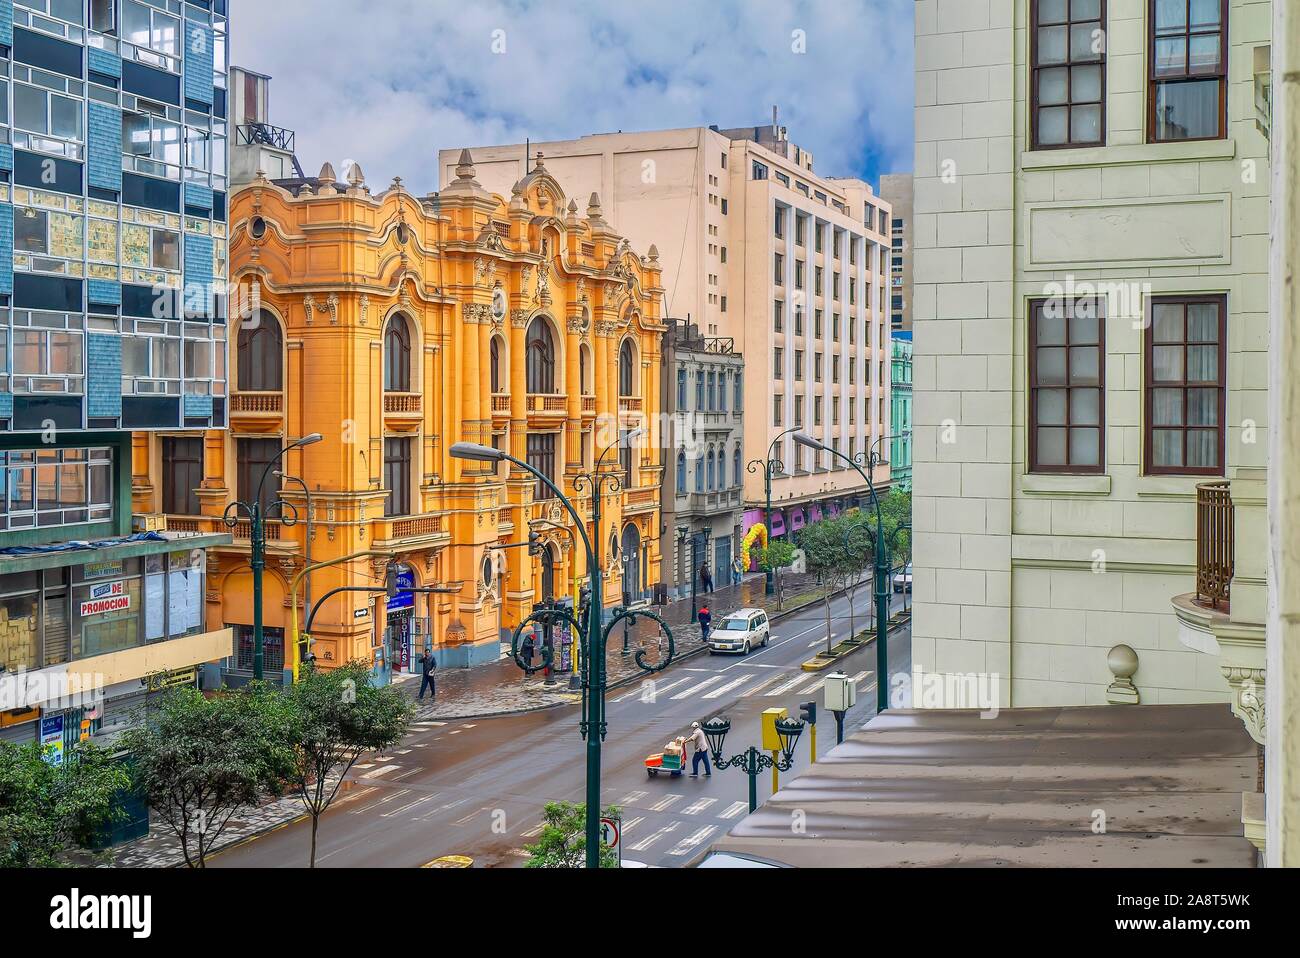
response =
{"points": [[1123, 664]]}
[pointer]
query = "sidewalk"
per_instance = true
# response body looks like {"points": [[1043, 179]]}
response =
{"points": [[501, 688]]}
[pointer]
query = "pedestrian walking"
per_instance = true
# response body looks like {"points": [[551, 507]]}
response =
{"points": [[706, 578], [526, 649], [737, 571], [427, 664], [701, 746], [706, 622]]}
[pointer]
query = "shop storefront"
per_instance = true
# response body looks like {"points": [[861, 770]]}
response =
{"points": [[403, 655]]}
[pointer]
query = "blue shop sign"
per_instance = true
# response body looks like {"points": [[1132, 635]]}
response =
{"points": [[405, 598]]}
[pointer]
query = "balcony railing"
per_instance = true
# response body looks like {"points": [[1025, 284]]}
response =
{"points": [[418, 526], [552, 403], [1214, 543], [629, 403], [266, 402], [501, 402], [401, 402]]}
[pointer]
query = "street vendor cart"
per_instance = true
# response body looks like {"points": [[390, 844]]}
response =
{"points": [[671, 760]]}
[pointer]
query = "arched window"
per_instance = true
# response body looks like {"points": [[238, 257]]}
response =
{"points": [[681, 471], [735, 465], [541, 357], [626, 369], [722, 469], [495, 360], [699, 474], [261, 355], [397, 355], [709, 460]]}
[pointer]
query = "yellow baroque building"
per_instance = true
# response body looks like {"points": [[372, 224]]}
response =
{"points": [[395, 326]]}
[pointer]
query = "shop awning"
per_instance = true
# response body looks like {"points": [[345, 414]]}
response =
{"points": [[111, 550]]}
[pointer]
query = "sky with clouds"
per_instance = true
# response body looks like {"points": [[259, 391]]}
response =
{"points": [[388, 83]]}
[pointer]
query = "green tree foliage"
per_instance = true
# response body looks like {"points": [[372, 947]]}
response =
{"points": [[778, 555], [834, 554], [47, 810], [896, 510], [563, 840], [337, 717], [199, 760]]}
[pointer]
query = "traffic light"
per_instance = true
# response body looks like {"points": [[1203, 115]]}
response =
{"points": [[534, 544], [808, 712], [390, 580]]}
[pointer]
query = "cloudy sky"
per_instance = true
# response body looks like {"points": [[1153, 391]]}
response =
{"points": [[388, 83]]}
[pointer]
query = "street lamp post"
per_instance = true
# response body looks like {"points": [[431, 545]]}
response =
{"points": [[752, 761], [306, 582], [592, 725], [257, 542], [770, 466], [880, 574]]}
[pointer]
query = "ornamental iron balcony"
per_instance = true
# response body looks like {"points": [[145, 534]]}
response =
{"points": [[1214, 543]]}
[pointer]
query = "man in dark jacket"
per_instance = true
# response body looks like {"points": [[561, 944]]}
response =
{"points": [[526, 647], [427, 664], [706, 622]]}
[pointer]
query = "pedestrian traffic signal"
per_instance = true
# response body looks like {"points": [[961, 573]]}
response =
{"points": [[534, 544], [808, 712]]}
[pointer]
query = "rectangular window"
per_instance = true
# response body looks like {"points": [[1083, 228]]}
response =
{"points": [[699, 390], [681, 389], [1067, 385], [798, 365], [182, 474], [541, 456], [397, 476], [778, 269], [252, 456], [54, 487], [778, 222], [777, 405], [760, 171], [41, 111], [1068, 73], [1186, 378], [778, 309], [800, 226], [1188, 54], [778, 363]]}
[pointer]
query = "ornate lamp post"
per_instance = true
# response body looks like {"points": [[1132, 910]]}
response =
{"points": [[770, 467], [592, 725], [880, 574], [257, 541], [753, 760], [306, 582]]}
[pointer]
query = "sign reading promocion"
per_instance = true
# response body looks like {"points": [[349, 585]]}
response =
{"points": [[106, 597]]}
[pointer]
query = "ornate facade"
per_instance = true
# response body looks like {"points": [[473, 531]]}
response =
{"points": [[396, 326]]}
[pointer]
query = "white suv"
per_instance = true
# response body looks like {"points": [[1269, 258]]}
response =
{"points": [[739, 631]]}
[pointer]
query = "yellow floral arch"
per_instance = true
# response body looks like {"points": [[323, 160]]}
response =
{"points": [[757, 531]]}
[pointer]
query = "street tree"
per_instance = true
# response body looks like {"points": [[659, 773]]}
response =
{"points": [[830, 558], [198, 760], [47, 810], [860, 542], [338, 716], [563, 839], [778, 555]]}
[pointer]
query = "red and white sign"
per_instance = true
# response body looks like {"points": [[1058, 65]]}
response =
{"points": [[106, 597]]}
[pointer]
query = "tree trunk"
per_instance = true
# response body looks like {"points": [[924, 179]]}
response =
{"points": [[828, 623], [315, 820]]}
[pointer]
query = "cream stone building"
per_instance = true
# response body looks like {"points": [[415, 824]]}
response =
{"points": [[1091, 335], [755, 246]]}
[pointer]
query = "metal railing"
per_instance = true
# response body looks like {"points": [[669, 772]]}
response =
{"points": [[266, 134], [1214, 543]]}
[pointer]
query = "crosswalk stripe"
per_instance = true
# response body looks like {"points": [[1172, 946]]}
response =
{"points": [[407, 807], [632, 823], [861, 675], [534, 831], [700, 685], [786, 686], [696, 807], [692, 841], [649, 840], [818, 683], [665, 802], [755, 689], [724, 689], [658, 689], [734, 809], [631, 798], [379, 771]]}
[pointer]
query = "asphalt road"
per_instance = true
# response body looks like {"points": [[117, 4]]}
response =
{"points": [[477, 787]]}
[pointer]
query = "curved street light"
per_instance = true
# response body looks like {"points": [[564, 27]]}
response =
{"points": [[592, 726], [753, 760], [257, 540], [879, 575]]}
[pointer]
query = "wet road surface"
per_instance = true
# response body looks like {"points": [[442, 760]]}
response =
{"points": [[477, 787]]}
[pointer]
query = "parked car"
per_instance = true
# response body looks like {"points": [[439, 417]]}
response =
{"points": [[739, 631], [903, 580]]}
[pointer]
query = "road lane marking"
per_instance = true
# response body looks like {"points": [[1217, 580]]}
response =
{"points": [[665, 802], [754, 689], [812, 688], [382, 770], [649, 840], [734, 809], [695, 688], [724, 689], [631, 823], [632, 798], [410, 805], [534, 831], [692, 841], [698, 806], [786, 686], [658, 690], [861, 675]]}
